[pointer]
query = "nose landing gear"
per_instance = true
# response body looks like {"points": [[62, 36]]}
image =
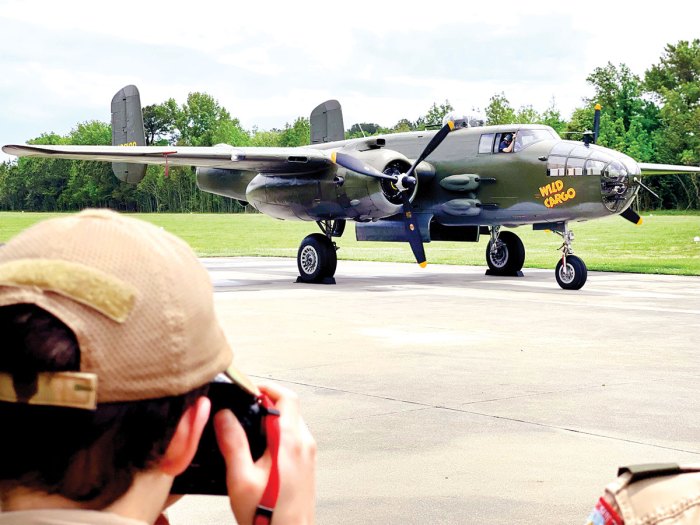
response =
{"points": [[571, 272]]}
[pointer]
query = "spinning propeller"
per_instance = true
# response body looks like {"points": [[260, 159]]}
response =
{"points": [[404, 182]]}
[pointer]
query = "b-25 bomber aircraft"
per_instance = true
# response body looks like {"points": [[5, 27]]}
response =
{"points": [[453, 184]]}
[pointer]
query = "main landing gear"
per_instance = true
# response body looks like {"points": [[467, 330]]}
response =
{"points": [[505, 256], [505, 253], [317, 258], [571, 271]]}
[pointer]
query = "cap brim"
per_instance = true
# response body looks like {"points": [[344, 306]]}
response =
{"points": [[241, 380]]}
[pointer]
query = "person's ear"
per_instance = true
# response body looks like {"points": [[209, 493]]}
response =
{"points": [[185, 440]]}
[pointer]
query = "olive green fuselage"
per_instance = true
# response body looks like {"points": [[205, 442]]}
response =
{"points": [[466, 181]]}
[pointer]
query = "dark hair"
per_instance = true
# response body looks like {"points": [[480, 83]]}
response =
{"points": [[87, 456]]}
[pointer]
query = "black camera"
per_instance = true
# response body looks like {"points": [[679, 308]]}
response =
{"points": [[207, 472]]}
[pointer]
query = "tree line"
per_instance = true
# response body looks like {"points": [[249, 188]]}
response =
{"points": [[653, 119]]}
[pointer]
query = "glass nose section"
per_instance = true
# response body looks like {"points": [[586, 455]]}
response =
{"points": [[615, 186]]}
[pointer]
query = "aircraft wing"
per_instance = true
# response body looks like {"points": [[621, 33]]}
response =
{"points": [[279, 161], [666, 169]]}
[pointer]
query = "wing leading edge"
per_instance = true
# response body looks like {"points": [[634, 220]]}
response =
{"points": [[666, 169], [278, 161]]}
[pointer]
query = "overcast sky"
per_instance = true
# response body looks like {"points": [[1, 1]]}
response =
{"points": [[269, 62]]}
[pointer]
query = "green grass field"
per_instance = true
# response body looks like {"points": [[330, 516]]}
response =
{"points": [[663, 244]]}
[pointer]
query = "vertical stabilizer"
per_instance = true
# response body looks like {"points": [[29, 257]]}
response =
{"points": [[127, 130], [327, 123]]}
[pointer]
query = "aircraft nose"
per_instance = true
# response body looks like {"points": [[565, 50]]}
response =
{"points": [[633, 168], [619, 183]]}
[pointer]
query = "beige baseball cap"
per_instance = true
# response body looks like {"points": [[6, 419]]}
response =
{"points": [[137, 299]]}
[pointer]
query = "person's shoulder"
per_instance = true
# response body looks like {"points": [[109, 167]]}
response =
{"points": [[650, 494]]}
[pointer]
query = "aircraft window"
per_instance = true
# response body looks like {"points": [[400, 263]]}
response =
{"points": [[562, 148], [499, 139], [600, 155], [580, 151], [615, 169], [525, 137], [556, 166], [574, 166], [594, 167], [633, 167], [486, 143]]}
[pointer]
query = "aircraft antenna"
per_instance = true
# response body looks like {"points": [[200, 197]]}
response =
{"points": [[362, 130]]}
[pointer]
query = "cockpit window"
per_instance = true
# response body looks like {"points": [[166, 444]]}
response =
{"points": [[491, 142], [527, 137]]}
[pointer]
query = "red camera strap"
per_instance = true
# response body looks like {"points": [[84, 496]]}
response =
{"points": [[263, 512]]}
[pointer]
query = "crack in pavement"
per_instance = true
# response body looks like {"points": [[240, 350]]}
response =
{"points": [[490, 416]]}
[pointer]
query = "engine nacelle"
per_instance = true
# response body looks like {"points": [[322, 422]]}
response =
{"points": [[335, 193], [226, 182]]}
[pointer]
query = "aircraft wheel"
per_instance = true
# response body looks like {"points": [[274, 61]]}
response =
{"points": [[316, 258], [509, 256], [574, 276]]}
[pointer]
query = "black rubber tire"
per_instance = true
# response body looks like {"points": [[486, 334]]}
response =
{"points": [[316, 258], [575, 277], [510, 258]]}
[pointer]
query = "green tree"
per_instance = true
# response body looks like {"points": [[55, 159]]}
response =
{"points": [[435, 114], [527, 115], [90, 184], [269, 139], [160, 123], [552, 117], [12, 187], [612, 133], [403, 125], [44, 179], [363, 129], [297, 134], [638, 143], [675, 84], [499, 110], [619, 91], [200, 116], [230, 132]]}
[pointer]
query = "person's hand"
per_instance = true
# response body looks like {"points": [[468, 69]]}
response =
{"points": [[246, 480]]}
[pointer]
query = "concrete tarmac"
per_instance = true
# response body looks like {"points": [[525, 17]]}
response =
{"points": [[446, 396]]}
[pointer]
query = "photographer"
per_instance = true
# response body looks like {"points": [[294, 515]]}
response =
{"points": [[109, 341]]}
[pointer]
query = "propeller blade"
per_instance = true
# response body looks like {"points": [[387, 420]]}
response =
{"points": [[631, 216], [412, 232], [351, 163], [434, 143]]}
